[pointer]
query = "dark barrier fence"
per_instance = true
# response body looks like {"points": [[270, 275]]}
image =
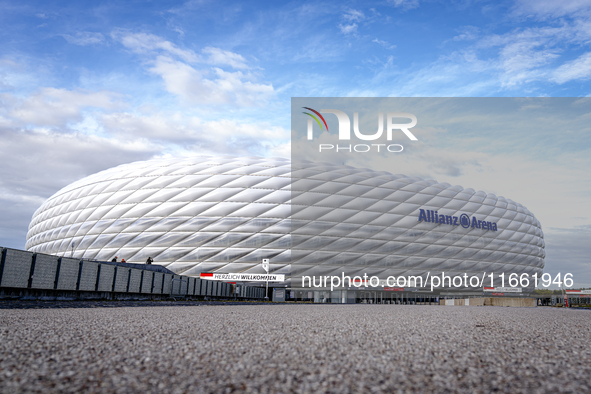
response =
{"points": [[31, 274]]}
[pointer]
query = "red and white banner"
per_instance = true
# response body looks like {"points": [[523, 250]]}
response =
{"points": [[502, 289], [578, 292], [244, 277]]}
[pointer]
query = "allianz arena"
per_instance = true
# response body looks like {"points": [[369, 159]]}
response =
{"points": [[225, 214]]}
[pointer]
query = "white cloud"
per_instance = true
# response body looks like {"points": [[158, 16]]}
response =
{"points": [[84, 38], [50, 107], [176, 128], [405, 4], [383, 43], [467, 33], [218, 56], [354, 15], [143, 43], [579, 68], [182, 76], [348, 29], [551, 8], [210, 87]]}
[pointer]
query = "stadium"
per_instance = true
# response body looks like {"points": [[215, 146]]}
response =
{"points": [[225, 214]]}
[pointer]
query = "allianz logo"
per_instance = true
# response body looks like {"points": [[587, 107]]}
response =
{"points": [[430, 216]]}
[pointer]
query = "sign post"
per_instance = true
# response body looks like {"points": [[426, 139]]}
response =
{"points": [[265, 265]]}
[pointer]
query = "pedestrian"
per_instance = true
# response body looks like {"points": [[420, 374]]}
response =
{"points": [[123, 260], [149, 261], [114, 259]]}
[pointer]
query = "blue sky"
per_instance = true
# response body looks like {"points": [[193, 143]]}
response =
{"points": [[85, 86]]}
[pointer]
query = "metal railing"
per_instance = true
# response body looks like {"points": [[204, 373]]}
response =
{"points": [[22, 270]]}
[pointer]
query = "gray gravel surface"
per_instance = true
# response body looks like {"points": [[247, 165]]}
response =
{"points": [[295, 348]]}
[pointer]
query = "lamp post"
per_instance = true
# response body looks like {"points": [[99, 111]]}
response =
{"points": [[265, 265]]}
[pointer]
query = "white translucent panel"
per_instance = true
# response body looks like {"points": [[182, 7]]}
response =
{"points": [[168, 224], [252, 210], [367, 246], [216, 181], [86, 241], [85, 228], [260, 239], [162, 182], [141, 224], [169, 239], [121, 240], [387, 219], [100, 226], [257, 225], [116, 185], [97, 200], [273, 183], [312, 213], [140, 209], [274, 255], [187, 195], [276, 197], [307, 199], [317, 242], [160, 171], [313, 228], [362, 217], [222, 209], [187, 181], [117, 197], [128, 254], [330, 187], [355, 190], [136, 183], [118, 225], [275, 171], [376, 193], [117, 211], [152, 195], [221, 194], [197, 239], [248, 195], [390, 247], [279, 211], [141, 255], [193, 209], [172, 254], [226, 240], [360, 203], [89, 254], [102, 240], [244, 170], [167, 209], [374, 182], [200, 254]]}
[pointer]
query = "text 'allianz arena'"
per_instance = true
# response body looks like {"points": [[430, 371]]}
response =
{"points": [[226, 214]]}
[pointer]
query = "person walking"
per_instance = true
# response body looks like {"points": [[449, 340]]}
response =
{"points": [[123, 260], [114, 259], [149, 261]]}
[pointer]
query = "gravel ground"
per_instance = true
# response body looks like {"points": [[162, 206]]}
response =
{"points": [[295, 348]]}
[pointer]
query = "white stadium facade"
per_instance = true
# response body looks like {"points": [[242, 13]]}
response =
{"points": [[225, 214]]}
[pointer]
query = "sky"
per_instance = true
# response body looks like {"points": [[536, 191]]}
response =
{"points": [[85, 86]]}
